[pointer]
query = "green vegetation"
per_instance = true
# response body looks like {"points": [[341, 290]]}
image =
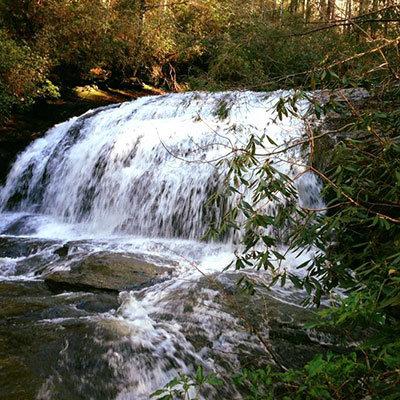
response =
{"points": [[359, 241], [190, 44], [184, 387], [48, 47], [23, 76]]}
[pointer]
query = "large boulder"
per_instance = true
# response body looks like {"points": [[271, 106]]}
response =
{"points": [[107, 271]]}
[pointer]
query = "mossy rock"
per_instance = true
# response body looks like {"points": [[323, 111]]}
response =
{"points": [[109, 272]]}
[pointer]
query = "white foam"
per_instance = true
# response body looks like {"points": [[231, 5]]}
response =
{"points": [[134, 178]]}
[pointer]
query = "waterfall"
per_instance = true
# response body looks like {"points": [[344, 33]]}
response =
{"points": [[134, 179], [145, 167]]}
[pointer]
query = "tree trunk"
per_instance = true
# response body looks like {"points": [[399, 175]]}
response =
{"points": [[323, 12], [331, 10]]}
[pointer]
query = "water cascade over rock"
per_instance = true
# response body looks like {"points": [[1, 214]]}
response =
{"points": [[135, 179], [145, 167]]}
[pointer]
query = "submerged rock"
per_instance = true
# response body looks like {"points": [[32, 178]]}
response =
{"points": [[264, 328], [21, 247], [107, 271], [62, 251], [21, 226]]}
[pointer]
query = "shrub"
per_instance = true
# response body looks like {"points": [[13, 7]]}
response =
{"points": [[23, 76]]}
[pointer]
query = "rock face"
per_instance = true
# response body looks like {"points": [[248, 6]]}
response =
{"points": [[280, 324], [107, 271], [35, 327]]}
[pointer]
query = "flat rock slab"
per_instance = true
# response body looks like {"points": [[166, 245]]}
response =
{"points": [[107, 271]]}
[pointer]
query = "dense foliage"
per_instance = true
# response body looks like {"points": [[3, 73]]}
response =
{"points": [[22, 75], [357, 235], [190, 44], [48, 46]]}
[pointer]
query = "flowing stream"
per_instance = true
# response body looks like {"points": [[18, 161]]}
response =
{"points": [[134, 179]]}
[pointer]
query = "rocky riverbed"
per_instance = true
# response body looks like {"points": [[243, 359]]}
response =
{"points": [[108, 291], [69, 327]]}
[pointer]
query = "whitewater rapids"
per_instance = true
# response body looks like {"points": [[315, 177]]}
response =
{"points": [[135, 178]]}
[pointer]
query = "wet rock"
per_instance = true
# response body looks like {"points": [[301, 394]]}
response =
{"points": [[21, 226], [274, 319], [25, 256], [99, 303], [107, 271], [52, 360], [62, 251], [34, 264], [38, 328], [14, 247], [282, 325], [33, 300]]}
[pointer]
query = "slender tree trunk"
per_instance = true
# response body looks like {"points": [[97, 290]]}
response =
{"points": [[141, 11], [349, 6], [141, 16], [293, 6], [323, 14], [309, 10], [331, 10], [361, 7]]}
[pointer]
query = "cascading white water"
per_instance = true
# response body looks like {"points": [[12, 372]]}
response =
{"points": [[145, 169]]}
